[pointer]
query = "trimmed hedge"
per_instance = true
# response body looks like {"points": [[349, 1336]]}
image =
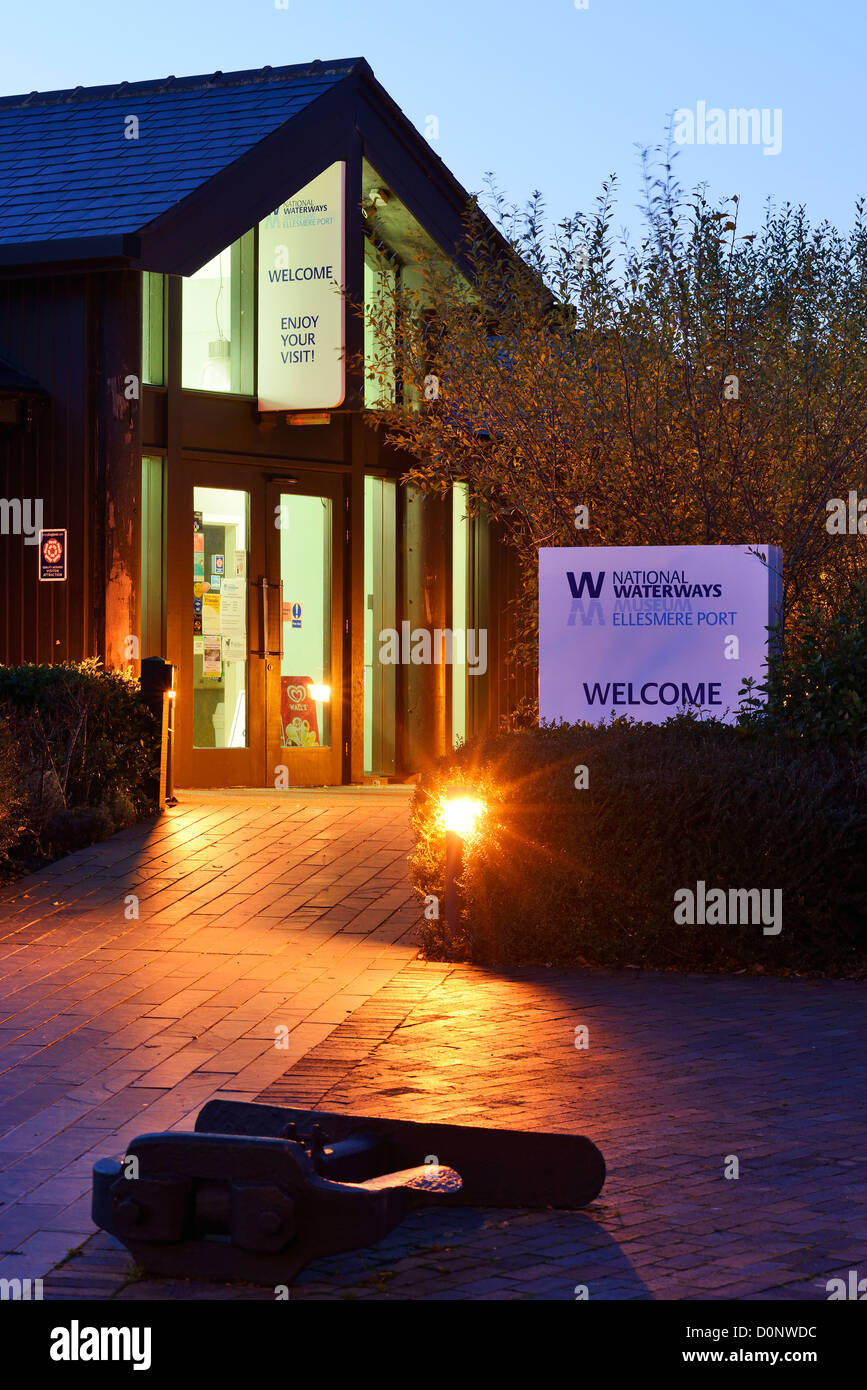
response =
{"points": [[564, 876], [78, 756]]}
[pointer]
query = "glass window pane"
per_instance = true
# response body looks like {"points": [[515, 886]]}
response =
{"points": [[153, 329], [380, 610], [460, 558], [152, 557], [217, 322], [220, 543], [380, 278], [305, 569]]}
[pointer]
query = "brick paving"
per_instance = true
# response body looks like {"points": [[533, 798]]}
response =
{"points": [[683, 1074], [254, 912]]}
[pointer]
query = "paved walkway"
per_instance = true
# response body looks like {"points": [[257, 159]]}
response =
{"points": [[253, 913], [302, 916], [682, 1074]]}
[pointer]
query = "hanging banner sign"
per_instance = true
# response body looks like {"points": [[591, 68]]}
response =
{"points": [[52, 555], [647, 631], [302, 313]]}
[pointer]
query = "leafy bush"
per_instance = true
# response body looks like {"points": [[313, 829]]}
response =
{"points": [[81, 751], [818, 692], [564, 876], [11, 796]]}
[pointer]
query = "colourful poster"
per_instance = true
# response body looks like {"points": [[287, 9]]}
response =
{"points": [[300, 725], [211, 614], [212, 658]]}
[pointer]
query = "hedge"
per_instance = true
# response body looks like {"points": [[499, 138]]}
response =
{"points": [[78, 755], [562, 875]]}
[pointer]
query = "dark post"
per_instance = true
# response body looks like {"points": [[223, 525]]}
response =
{"points": [[453, 873], [157, 689]]}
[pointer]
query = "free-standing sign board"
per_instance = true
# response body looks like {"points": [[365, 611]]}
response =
{"points": [[302, 313], [52, 555], [646, 631]]}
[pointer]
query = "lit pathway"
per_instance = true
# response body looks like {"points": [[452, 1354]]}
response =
{"points": [[682, 1072], [256, 911]]}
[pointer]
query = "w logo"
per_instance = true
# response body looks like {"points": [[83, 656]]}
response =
{"points": [[585, 582]]}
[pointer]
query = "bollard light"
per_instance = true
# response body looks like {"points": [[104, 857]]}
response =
{"points": [[461, 812]]}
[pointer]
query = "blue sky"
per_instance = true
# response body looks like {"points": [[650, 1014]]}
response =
{"points": [[546, 95]]}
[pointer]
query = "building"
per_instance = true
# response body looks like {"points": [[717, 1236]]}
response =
{"points": [[180, 395]]}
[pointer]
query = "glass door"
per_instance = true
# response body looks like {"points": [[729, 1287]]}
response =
{"points": [[302, 628], [216, 543]]}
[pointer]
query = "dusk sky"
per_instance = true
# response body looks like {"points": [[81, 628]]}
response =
{"points": [[545, 95]]}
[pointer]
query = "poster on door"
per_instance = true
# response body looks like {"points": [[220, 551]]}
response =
{"points": [[298, 711], [302, 312]]}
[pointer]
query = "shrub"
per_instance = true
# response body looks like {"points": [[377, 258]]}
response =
{"points": [[11, 796], [85, 753], [563, 876], [818, 692]]}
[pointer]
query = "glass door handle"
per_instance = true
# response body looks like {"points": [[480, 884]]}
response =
{"points": [[263, 585]]}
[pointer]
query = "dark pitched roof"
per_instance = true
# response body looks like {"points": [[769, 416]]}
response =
{"points": [[214, 156], [68, 173]]}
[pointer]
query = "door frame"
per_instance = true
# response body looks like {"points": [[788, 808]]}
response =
{"points": [[306, 767], [257, 764]]}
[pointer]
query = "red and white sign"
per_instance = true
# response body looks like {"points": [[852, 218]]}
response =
{"points": [[298, 712], [52, 555]]}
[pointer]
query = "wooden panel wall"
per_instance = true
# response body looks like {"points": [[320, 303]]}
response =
{"points": [[45, 328], [79, 336]]}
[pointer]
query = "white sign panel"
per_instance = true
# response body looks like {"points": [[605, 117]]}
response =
{"points": [[646, 631], [302, 314]]}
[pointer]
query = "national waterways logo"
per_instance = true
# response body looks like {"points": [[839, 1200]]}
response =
{"points": [[641, 584]]}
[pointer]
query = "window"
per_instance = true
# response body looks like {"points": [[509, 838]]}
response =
{"points": [[305, 574], [153, 319], [218, 322], [220, 535], [460, 611], [153, 557], [380, 279], [380, 615]]}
